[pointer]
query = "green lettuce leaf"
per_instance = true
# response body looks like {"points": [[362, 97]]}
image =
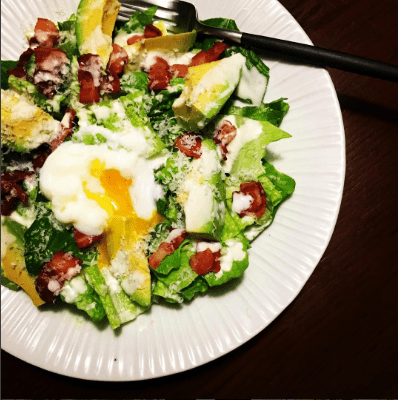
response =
{"points": [[223, 23], [46, 236], [67, 31], [6, 65], [248, 165], [273, 112], [238, 266], [139, 20], [52, 106], [16, 229], [199, 285], [97, 282], [133, 81], [78, 292]]}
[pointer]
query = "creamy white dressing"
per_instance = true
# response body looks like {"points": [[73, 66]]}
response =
{"points": [[71, 291], [213, 246], [199, 204], [234, 252], [252, 85], [112, 283], [133, 282], [241, 202], [245, 133]]}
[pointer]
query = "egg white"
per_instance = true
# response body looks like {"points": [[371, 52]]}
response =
{"points": [[66, 177]]}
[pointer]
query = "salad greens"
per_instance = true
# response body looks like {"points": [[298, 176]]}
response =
{"points": [[201, 202]]}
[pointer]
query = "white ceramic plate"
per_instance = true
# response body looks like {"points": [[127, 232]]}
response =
{"points": [[167, 340]]}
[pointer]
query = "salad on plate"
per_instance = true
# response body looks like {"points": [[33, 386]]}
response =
{"points": [[133, 162]]}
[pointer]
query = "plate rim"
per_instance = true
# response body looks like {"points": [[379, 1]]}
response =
{"points": [[327, 239]]}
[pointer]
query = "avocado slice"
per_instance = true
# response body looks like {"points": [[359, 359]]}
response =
{"points": [[24, 125], [206, 90], [128, 263], [179, 43], [203, 189], [168, 44], [14, 268], [95, 20]]}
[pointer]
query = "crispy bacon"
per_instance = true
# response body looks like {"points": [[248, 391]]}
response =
{"points": [[210, 55], [50, 66], [11, 191], [89, 77], [224, 135], [135, 39], [110, 84], [46, 34], [83, 241], [190, 144], [118, 60], [166, 248], [179, 70], [40, 156], [20, 71], [159, 75], [66, 129], [205, 261], [256, 191], [52, 276], [151, 31]]}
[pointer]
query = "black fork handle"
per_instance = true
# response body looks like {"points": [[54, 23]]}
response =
{"points": [[324, 57]]}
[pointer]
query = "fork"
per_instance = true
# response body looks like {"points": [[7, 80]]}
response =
{"points": [[181, 16]]}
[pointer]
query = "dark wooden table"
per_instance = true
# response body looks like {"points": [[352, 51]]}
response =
{"points": [[339, 337]]}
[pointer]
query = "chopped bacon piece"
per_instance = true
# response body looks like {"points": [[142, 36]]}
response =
{"points": [[110, 84], [89, 77], [210, 55], [50, 66], [179, 70], [160, 254], [83, 240], [90, 63], [214, 53], [190, 144], [256, 191], [46, 34], [168, 247], [224, 135], [159, 75], [151, 31], [40, 156], [205, 261], [19, 71], [135, 39], [118, 60], [52, 276], [11, 191], [65, 131]]}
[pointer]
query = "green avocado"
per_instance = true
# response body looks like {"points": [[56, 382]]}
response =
{"points": [[203, 189], [95, 20]]}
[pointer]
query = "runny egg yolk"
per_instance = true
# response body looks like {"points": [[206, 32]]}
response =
{"points": [[124, 227]]}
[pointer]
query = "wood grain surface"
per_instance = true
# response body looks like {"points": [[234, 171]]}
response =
{"points": [[339, 337]]}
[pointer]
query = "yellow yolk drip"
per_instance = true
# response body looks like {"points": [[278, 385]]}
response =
{"points": [[124, 228]]}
